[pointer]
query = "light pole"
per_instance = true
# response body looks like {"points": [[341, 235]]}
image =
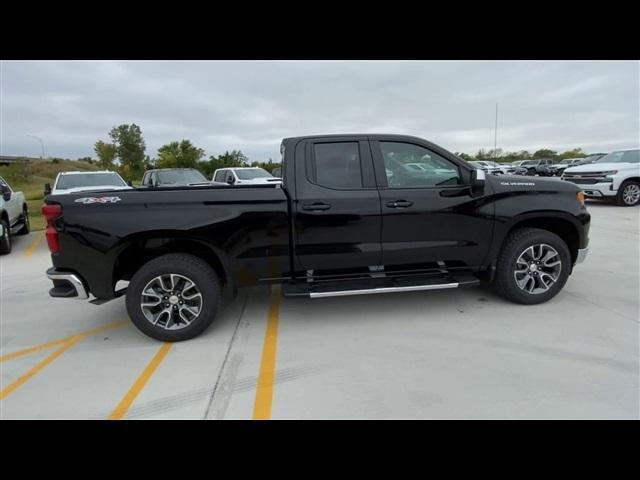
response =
{"points": [[41, 143], [495, 136]]}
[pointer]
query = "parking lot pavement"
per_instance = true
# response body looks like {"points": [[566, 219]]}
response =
{"points": [[442, 354]]}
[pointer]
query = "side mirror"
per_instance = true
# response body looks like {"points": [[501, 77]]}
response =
{"points": [[477, 182], [47, 189], [130, 183], [231, 180], [6, 193]]}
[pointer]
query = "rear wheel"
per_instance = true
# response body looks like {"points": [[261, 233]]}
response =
{"points": [[628, 194], [174, 297], [5, 238], [26, 225], [533, 266]]}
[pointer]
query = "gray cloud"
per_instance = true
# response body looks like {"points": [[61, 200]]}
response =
{"points": [[251, 105]]}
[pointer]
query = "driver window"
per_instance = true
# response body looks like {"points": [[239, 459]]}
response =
{"points": [[412, 166]]}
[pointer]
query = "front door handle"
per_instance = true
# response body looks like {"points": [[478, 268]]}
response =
{"points": [[399, 204], [316, 206]]}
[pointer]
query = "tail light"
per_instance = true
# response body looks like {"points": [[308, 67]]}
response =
{"points": [[50, 213]]}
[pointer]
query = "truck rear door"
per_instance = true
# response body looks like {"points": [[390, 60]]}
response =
{"points": [[337, 206]]}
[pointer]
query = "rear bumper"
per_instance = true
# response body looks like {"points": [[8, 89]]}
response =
{"points": [[66, 285]]}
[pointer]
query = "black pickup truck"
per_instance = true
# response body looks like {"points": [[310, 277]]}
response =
{"points": [[355, 214]]}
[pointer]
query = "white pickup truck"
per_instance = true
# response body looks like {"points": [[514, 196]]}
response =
{"points": [[615, 176], [14, 216]]}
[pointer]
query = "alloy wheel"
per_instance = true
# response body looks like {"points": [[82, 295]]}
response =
{"points": [[537, 268], [171, 301]]}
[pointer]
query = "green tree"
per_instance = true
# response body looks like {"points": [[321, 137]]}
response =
{"points": [[106, 153], [130, 148], [179, 155], [545, 153], [575, 153], [464, 156], [235, 158]]}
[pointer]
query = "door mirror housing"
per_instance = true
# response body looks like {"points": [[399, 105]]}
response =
{"points": [[478, 177], [6, 193], [231, 179], [47, 189]]}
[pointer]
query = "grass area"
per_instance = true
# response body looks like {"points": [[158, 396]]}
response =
{"points": [[35, 215], [29, 178]]}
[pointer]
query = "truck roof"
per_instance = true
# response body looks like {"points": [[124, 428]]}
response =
{"points": [[340, 135], [166, 169], [86, 173]]}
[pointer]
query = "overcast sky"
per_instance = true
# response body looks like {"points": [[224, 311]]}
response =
{"points": [[252, 105]]}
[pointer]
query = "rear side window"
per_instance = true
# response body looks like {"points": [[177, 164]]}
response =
{"points": [[336, 165]]}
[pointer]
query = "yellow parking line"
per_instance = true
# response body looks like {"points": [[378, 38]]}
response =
{"points": [[264, 390], [34, 243], [14, 385], [121, 410], [43, 346]]}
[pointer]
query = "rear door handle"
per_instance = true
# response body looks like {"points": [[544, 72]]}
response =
{"points": [[399, 204], [316, 206]]}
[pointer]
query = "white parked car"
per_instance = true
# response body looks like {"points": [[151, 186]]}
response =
{"points": [[614, 176], [488, 167], [72, 182], [14, 216], [244, 176]]}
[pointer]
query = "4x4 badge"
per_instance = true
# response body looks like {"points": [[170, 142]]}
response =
{"points": [[88, 200]]}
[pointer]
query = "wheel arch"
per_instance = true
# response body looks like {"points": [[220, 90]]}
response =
{"points": [[632, 179], [132, 253], [562, 224]]}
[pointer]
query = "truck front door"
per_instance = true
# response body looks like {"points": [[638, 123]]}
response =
{"points": [[428, 217], [336, 208]]}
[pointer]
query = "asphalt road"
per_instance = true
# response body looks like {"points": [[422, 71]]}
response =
{"points": [[442, 354]]}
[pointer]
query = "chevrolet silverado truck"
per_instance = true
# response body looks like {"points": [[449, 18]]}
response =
{"points": [[348, 219], [615, 176], [14, 216]]}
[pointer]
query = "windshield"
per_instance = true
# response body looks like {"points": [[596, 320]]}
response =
{"points": [[252, 173], [181, 177], [627, 156], [530, 162], [89, 180]]}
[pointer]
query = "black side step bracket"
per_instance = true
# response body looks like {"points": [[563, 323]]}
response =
{"points": [[100, 301], [368, 285]]}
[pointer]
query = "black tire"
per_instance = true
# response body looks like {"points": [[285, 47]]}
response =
{"points": [[5, 238], [197, 271], [620, 198], [515, 244], [26, 224]]}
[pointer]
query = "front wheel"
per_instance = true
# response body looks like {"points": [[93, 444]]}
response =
{"points": [[5, 238], [26, 225], [628, 194], [532, 267], [174, 297]]}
